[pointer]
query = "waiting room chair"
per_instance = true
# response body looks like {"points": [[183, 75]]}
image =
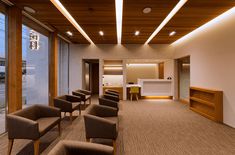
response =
{"points": [[111, 97], [83, 94], [32, 123], [101, 122], [68, 103], [134, 91], [69, 147], [108, 102]]}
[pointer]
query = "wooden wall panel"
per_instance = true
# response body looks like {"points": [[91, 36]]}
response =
{"points": [[53, 68], [14, 73]]}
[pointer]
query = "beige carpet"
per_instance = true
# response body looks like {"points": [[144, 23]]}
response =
{"points": [[148, 127]]}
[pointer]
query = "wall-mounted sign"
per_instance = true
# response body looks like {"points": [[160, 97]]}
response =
{"points": [[34, 40]]}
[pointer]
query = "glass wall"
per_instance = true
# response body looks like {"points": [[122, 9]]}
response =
{"points": [[2, 73], [35, 76], [63, 68]]}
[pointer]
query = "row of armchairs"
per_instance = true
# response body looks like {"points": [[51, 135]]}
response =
{"points": [[101, 121]]}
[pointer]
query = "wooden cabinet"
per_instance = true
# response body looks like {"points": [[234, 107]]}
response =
{"points": [[207, 102]]}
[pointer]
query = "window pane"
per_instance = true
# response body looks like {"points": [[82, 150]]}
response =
{"points": [[35, 67], [63, 64], [2, 73]]}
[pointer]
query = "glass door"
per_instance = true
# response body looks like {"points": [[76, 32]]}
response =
{"points": [[35, 76], [2, 73]]}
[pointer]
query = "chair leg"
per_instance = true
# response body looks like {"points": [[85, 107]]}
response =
{"points": [[64, 114], [87, 139], [36, 147], [59, 128], [71, 117], [131, 97], [89, 100], [10, 144], [114, 147], [136, 95], [80, 110]]}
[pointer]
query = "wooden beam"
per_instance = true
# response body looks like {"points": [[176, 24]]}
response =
{"points": [[14, 73], [53, 68]]}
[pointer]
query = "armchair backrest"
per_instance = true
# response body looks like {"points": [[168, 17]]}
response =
{"points": [[32, 113]]}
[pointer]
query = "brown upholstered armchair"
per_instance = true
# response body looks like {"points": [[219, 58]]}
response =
{"points": [[111, 97], [108, 102], [107, 91], [68, 103], [83, 94], [101, 122], [69, 147], [32, 123]]}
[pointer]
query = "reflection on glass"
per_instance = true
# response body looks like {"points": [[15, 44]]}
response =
{"points": [[2, 73], [63, 64], [34, 67]]}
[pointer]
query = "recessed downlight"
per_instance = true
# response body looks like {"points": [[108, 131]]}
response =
{"points": [[172, 33], [29, 10], [147, 10], [137, 33], [69, 33], [101, 33]]}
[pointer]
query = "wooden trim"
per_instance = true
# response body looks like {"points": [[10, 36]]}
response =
{"points": [[14, 59], [30, 23], [53, 68], [184, 101]]}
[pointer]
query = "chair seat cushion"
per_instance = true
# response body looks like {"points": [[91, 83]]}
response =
{"points": [[47, 123]]}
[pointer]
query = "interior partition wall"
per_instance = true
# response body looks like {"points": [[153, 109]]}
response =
{"points": [[35, 62]]}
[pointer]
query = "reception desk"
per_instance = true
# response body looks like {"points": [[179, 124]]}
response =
{"points": [[156, 87]]}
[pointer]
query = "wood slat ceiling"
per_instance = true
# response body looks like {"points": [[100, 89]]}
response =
{"points": [[93, 16], [134, 19], [96, 15], [48, 14], [191, 16]]}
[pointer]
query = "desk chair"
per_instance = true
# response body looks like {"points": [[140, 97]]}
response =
{"points": [[134, 91]]}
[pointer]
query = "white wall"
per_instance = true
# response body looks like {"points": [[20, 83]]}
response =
{"points": [[79, 52], [212, 54]]}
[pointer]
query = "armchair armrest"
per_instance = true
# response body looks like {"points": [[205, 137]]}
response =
{"points": [[97, 127], [107, 102], [63, 105], [22, 128], [72, 98], [102, 111], [46, 111], [81, 95]]}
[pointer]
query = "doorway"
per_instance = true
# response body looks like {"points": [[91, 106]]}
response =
{"points": [[91, 75], [184, 78]]}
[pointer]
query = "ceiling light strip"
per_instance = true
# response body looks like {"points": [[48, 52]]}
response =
{"points": [[119, 10], [63, 10], [167, 19], [216, 20]]}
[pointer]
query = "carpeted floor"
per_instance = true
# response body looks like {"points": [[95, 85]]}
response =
{"points": [[148, 127]]}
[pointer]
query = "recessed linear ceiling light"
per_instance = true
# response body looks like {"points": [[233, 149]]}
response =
{"points": [[167, 19], [101, 33], [119, 8], [62, 9], [69, 33], [216, 20], [29, 10], [172, 33], [147, 10], [137, 33]]}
